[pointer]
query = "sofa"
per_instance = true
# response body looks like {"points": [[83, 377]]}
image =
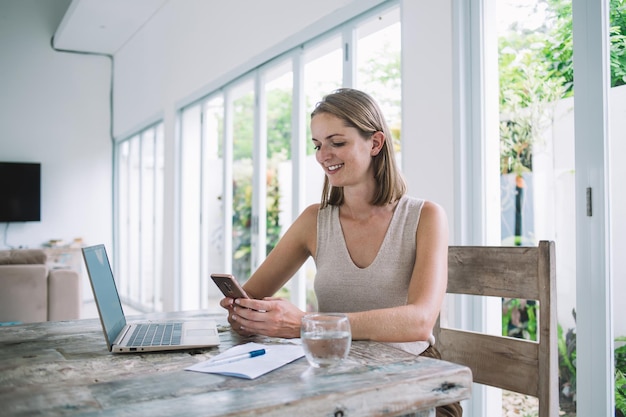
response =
{"points": [[31, 291]]}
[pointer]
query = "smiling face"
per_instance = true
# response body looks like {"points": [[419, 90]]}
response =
{"points": [[343, 153]]}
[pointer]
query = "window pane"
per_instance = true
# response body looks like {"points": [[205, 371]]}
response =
{"points": [[378, 66], [537, 150], [243, 136], [134, 200], [139, 219], [147, 219], [190, 193], [159, 166], [123, 217], [212, 199], [279, 88], [323, 71]]}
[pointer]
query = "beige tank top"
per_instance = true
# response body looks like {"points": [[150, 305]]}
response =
{"points": [[341, 286]]}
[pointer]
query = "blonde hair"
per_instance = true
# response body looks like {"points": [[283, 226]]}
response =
{"points": [[358, 110]]}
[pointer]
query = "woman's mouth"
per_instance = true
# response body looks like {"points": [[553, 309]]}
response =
{"points": [[334, 167]]}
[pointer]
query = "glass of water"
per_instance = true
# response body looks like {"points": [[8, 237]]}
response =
{"points": [[326, 338]]}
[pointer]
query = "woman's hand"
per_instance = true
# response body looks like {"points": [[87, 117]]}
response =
{"points": [[273, 317], [228, 304]]}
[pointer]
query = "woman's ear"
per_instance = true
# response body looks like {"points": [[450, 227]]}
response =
{"points": [[378, 140]]}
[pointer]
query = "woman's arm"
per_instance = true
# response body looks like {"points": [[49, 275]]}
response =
{"points": [[272, 316], [291, 251], [427, 288]]}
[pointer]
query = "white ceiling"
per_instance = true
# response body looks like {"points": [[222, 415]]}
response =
{"points": [[103, 26]]}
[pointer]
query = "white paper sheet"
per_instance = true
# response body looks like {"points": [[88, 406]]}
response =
{"points": [[251, 368]]}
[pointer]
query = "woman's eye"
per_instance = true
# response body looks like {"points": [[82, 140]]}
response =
{"points": [[338, 144], [316, 147]]}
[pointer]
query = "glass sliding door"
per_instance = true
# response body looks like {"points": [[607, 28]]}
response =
{"points": [[201, 208], [243, 108], [322, 74], [379, 68], [278, 86], [212, 218], [190, 207], [537, 158], [139, 219]]}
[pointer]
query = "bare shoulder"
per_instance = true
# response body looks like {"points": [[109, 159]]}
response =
{"points": [[307, 220], [309, 214], [433, 210], [312, 210], [433, 220]]}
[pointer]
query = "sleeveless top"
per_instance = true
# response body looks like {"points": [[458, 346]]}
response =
{"points": [[342, 287]]}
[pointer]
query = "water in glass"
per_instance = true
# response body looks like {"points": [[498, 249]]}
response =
{"points": [[326, 338]]}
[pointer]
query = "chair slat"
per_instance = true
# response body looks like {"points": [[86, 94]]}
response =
{"points": [[504, 362], [509, 272], [513, 364]]}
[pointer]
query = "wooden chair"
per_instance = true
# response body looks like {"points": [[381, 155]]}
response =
{"points": [[517, 365]]}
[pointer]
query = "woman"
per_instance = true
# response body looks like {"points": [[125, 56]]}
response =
{"points": [[372, 260]]}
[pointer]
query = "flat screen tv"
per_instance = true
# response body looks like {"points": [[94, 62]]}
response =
{"points": [[20, 192]]}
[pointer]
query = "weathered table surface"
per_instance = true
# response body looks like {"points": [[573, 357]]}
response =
{"points": [[65, 369]]}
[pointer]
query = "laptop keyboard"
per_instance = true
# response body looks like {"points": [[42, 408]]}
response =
{"points": [[157, 334]]}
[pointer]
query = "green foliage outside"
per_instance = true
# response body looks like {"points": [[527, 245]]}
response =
{"points": [[567, 367], [620, 376], [536, 70], [278, 150], [566, 345], [519, 318]]}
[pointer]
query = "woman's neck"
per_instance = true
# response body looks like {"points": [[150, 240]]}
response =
{"points": [[361, 209]]}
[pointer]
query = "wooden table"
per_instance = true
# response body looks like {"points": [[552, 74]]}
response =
{"points": [[64, 369]]}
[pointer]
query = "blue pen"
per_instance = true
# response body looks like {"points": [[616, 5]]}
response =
{"points": [[236, 358]]}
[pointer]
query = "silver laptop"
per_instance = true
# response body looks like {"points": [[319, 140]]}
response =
{"points": [[139, 337]]}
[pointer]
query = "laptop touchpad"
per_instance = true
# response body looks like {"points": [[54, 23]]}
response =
{"points": [[199, 332]]}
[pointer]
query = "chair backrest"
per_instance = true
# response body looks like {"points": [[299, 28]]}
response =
{"points": [[512, 364]]}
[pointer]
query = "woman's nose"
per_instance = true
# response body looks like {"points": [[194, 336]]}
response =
{"points": [[323, 153]]}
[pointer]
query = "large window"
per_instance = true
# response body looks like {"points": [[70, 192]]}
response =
{"points": [[139, 220], [548, 181], [259, 170]]}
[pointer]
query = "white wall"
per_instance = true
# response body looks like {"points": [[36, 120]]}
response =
{"points": [[54, 109], [427, 100]]}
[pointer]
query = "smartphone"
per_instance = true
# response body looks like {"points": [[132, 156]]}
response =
{"points": [[229, 286]]}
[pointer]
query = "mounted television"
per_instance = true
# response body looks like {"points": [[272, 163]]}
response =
{"points": [[20, 192]]}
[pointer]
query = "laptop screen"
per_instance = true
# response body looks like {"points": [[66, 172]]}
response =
{"points": [[104, 291]]}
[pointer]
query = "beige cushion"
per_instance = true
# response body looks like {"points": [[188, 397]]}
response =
{"points": [[29, 292], [24, 294], [64, 295], [22, 257]]}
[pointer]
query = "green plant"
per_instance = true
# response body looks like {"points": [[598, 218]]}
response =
{"points": [[528, 93], [519, 318], [242, 213], [567, 363], [620, 376], [567, 368]]}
